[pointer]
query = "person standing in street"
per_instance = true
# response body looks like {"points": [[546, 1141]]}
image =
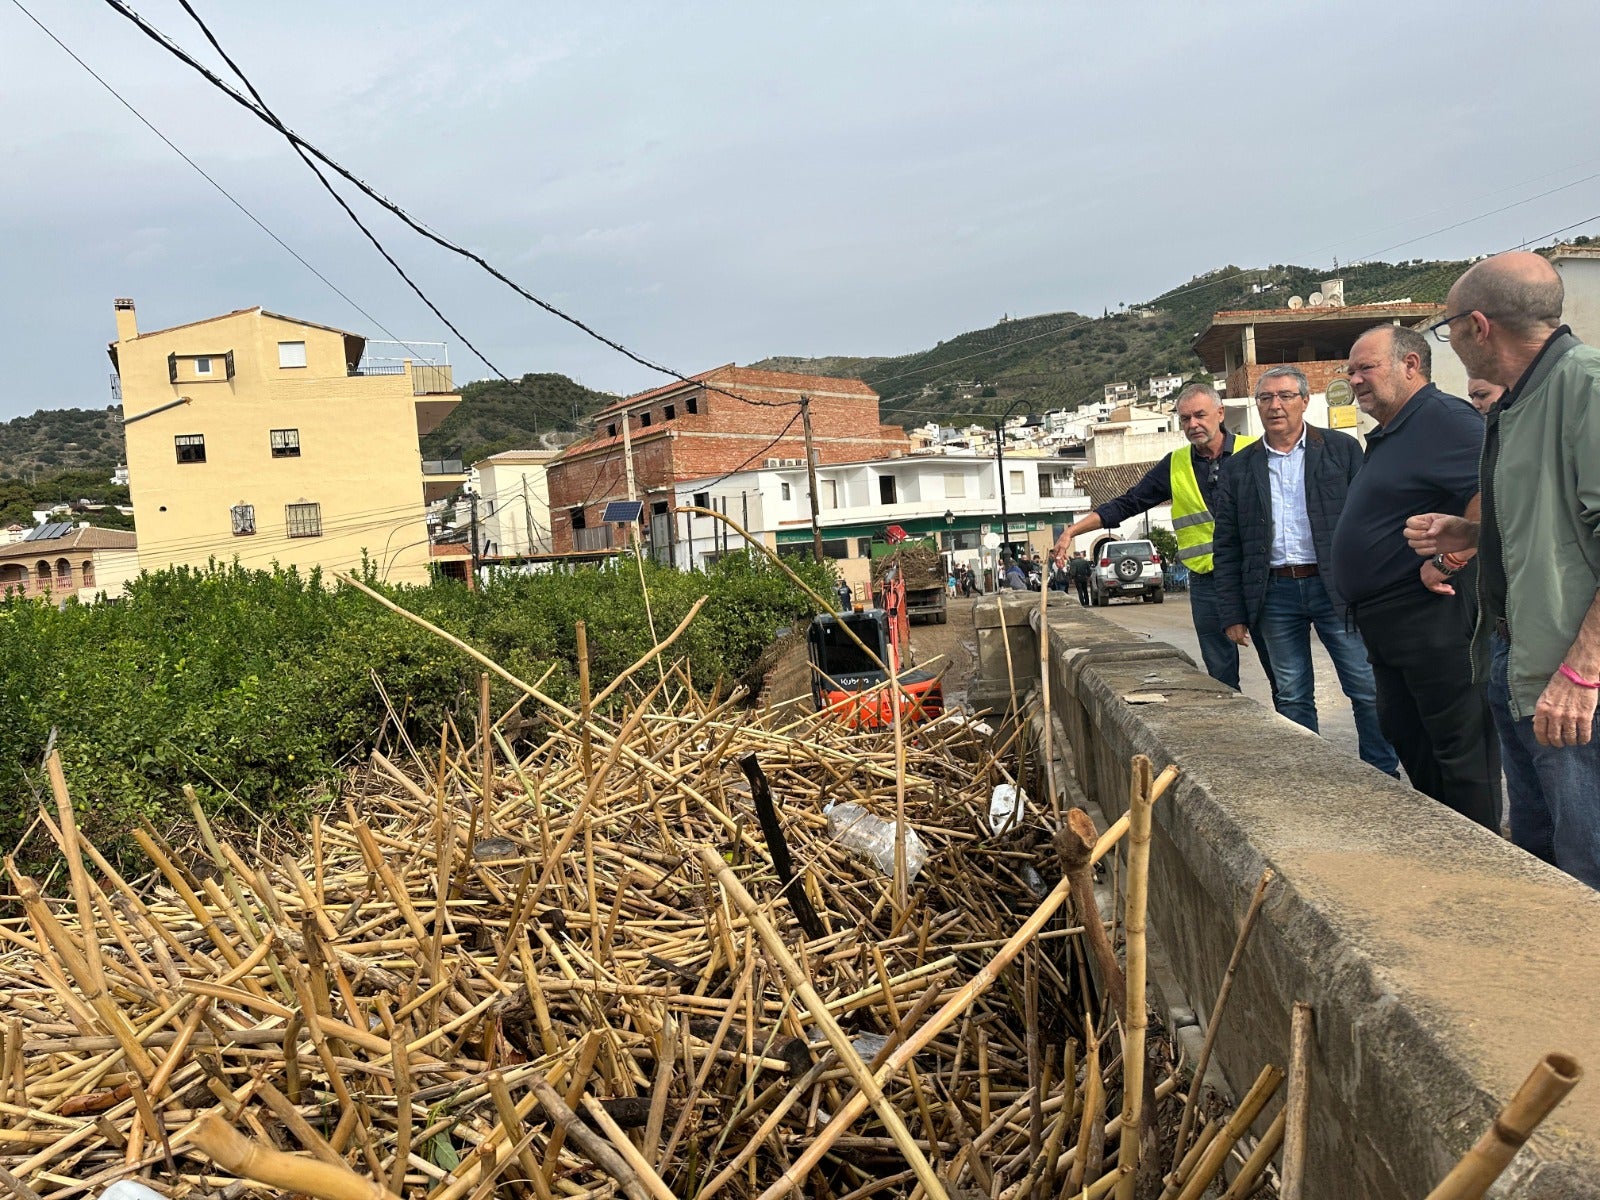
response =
{"points": [[1080, 577], [1187, 478], [1423, 456], [1538, 549], [1276, 510]]}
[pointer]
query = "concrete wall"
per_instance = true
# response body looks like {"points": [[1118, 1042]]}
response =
{"points": [[1441, 961]]}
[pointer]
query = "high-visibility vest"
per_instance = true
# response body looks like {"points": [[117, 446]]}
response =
{"points": [[1191, 519]]}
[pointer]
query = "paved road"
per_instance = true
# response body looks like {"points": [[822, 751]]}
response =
{"points": [[1170, 622]]}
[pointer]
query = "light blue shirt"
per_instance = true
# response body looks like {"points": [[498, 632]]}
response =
{"points": [[1292, 544]]}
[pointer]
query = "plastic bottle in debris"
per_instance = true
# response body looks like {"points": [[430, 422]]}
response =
{"points": [[1006, 806], [872, 837], [127, 1189]]}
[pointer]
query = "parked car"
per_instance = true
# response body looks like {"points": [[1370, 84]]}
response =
{"points": [[1126, 569]]}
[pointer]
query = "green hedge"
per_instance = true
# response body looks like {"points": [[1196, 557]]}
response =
{"points": [[256, 687]]}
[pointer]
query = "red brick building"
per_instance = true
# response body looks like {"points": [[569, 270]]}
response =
{"points": [[725, 420]]}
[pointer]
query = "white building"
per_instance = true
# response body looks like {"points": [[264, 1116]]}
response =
{"points": [[955, 497], [513, 503], [1162, 386], [1133, 433]]}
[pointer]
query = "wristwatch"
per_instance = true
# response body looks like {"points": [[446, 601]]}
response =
{"points": [[1443, 567]]}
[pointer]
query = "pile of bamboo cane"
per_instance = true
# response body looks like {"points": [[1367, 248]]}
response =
{"points": [[628, 955]]}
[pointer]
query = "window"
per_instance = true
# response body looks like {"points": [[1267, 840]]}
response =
{"points": [[835, 548], [291, 354], [830, 493], [644, 420], [303, 519], [202, 365], [886, 492], [864, 547], [669, 412], [702, 500], [244, 519], [1016, 484], [955, 487], [577, 518], [191, 447], [692, 405], [285, 443], [788, 492], [611, 429]]}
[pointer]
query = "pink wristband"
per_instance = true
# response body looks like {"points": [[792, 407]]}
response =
{"points": [[1574, 677]]}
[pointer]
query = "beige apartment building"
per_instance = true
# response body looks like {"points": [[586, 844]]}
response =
{"points": [[267, 439]]}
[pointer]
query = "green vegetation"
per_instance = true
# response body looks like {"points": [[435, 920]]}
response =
{"points": [[259, 687], [62, 439], [19, 498], [1062, 360], [495, 415]]}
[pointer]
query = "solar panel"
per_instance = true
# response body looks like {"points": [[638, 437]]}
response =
{"points": [[622, 511], [45, 533]]}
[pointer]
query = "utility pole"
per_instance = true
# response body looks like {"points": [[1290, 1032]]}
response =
{"points": [[627, 457], [1000, 485], [472, 578], [811, 474]]}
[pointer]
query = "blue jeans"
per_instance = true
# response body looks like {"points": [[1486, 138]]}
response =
{"points": [[1552, 792], [1220, 655], [1292, 608]]}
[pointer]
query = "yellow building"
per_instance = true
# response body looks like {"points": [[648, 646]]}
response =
{"points": [[266, 439]]}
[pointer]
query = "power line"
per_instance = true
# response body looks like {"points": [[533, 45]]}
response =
{"points": [[199, 170], [264, 114]]}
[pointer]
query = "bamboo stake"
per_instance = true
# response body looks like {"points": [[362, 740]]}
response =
{"points": [[1545, 1087], [1249, 1177], [1138, 1012], [292, 1172], [1297, 1103], [1222, 1145]]}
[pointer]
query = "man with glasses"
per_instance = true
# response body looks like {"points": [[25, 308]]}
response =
{"points": [[1276, 511], [1422, 457], [1538, 549], [1187, 479]]}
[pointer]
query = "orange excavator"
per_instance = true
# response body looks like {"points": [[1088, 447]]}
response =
{"points": [[846, 681]]}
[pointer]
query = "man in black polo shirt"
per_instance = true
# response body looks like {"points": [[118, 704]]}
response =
{"points": [[1424, 452]]}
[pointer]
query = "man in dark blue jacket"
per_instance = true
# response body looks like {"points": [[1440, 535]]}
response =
{"points": [[1276, 509]]}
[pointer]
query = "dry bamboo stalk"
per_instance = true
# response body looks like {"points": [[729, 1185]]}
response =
{"points": [[818, 1010], [293, 1172], [592, 1144], [1138, 1012], [1249, 1176], [1297, 1103], [1545, 1087], [1214, 1023], [1222, 1145]]}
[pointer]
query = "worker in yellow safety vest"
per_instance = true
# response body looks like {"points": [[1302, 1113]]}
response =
{"points": [[1186, 479]]}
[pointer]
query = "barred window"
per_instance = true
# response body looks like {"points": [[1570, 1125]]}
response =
{"points": [[285, 443], [303, 520], [244, 519], [191, 447]]}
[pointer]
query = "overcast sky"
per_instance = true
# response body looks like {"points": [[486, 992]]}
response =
{"points": [[711, 183]]}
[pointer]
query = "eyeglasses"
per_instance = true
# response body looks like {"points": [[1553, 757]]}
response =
{"points": [[1441, 329], [1268, 397]]}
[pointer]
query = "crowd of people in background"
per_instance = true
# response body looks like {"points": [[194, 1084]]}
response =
{"points": [[1450, 568]]}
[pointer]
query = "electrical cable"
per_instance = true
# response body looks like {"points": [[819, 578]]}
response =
{"points": [[264, 114], [199, 170]]}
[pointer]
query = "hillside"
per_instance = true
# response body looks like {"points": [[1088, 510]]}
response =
{"points": [[494, 415], [61, 439], [1061, 360]]}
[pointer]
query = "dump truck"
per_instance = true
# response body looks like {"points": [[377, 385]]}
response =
{"points": [[922, 570]]}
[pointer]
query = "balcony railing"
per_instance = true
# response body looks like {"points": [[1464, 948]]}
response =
{"points": [[442, 466]]}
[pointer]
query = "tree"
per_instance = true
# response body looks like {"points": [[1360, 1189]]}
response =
{"points": [[1165, 542]]}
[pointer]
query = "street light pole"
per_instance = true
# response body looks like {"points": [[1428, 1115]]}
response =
{"points": [[1000, 481]]}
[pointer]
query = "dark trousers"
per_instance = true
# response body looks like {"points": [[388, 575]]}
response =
{"points": [[1083, 591], [1429, 708]]}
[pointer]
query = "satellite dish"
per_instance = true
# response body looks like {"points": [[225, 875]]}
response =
{"points": [[1296, 302], [1316, 299]]}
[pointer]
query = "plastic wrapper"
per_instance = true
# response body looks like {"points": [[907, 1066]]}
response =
{"points": [[872, 838]]}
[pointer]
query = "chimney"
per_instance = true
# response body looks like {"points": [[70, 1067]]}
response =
{"points": [[127, 323]]}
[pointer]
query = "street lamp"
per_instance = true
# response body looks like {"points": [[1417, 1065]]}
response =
{"points": [[1000, 468], [949, 517]]}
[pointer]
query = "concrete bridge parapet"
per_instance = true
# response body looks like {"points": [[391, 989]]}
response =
{"points": [[1441, 962]]}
